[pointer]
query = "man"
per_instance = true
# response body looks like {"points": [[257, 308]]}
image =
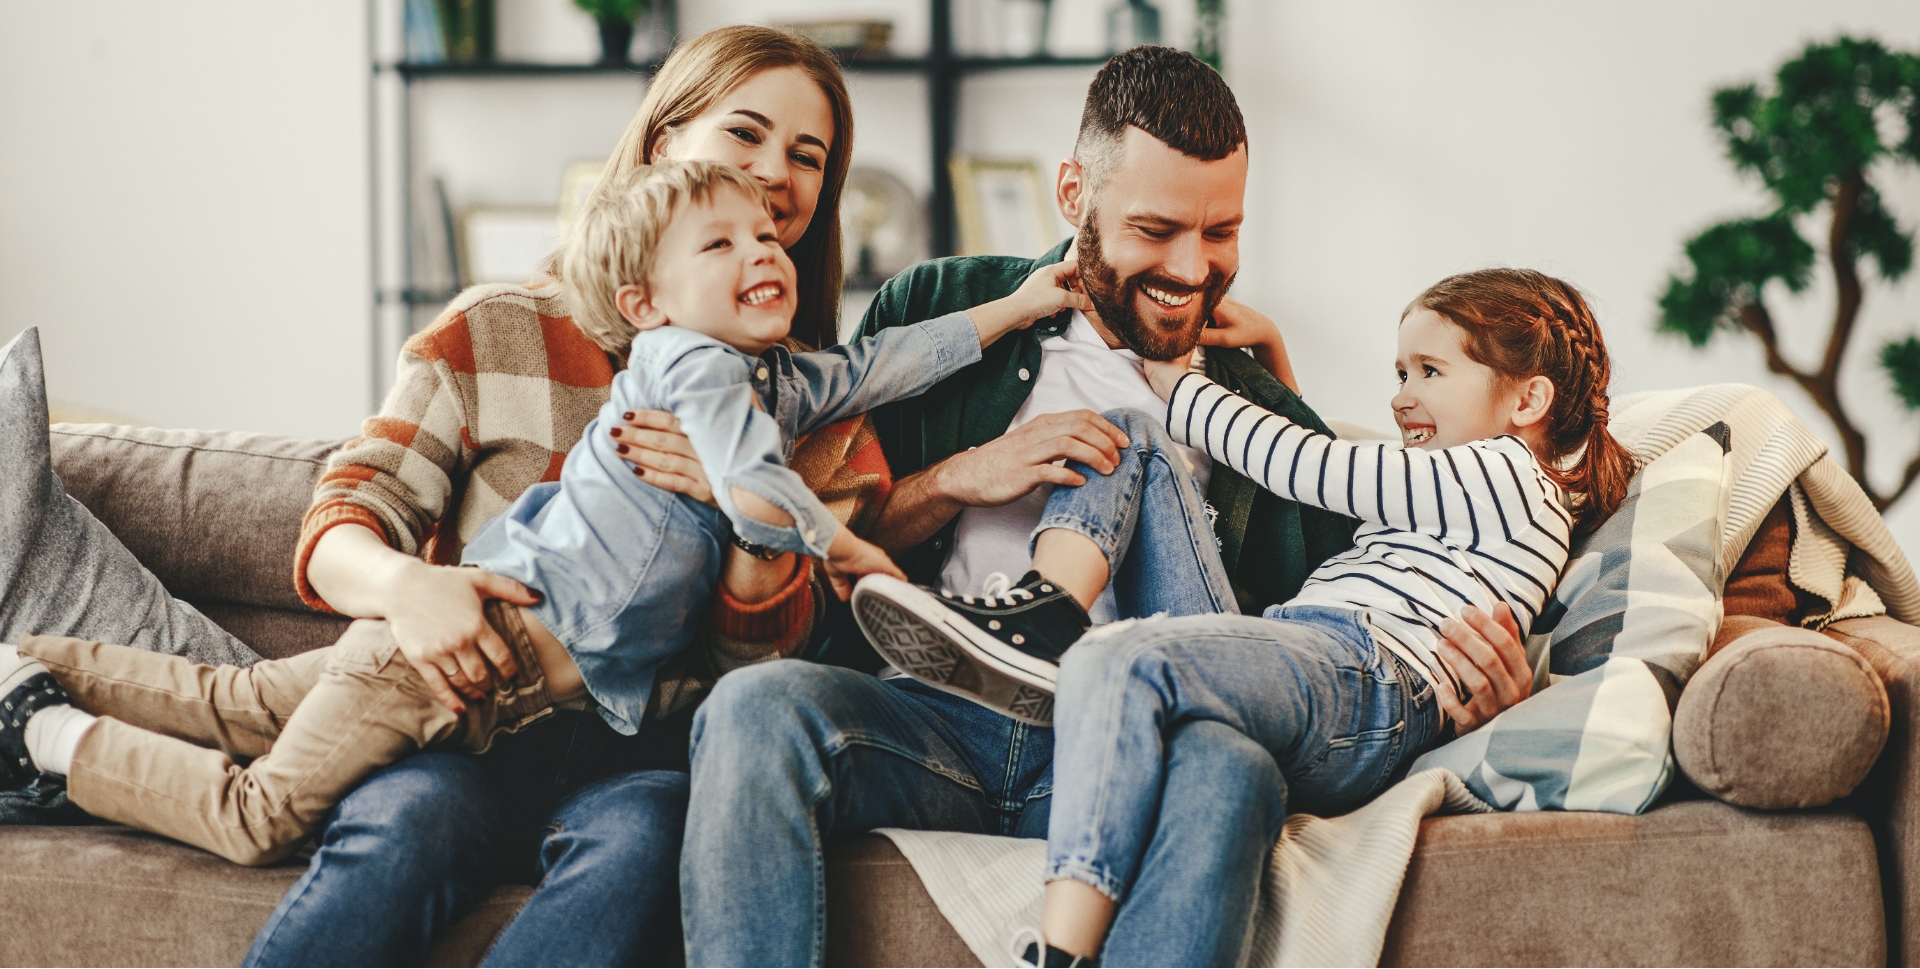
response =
{"points": [[789, 756]]}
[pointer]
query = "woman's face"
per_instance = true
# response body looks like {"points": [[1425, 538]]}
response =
{"points": [[776, 126]]}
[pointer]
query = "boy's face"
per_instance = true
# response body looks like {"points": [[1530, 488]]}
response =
{"points": [[721, 271]]}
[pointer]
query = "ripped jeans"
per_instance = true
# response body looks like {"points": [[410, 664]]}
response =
{"points": [[1149, 519]]}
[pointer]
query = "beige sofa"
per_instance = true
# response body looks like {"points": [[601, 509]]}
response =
{"points": [[1693, 881]]}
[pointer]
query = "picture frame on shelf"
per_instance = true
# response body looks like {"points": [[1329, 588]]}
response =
{"points": [[1001, 207], [576, 184], [506, 245]]}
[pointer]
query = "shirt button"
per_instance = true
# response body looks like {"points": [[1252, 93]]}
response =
{"points": [[939, 543], [1024, 374], [810, 534], [762, 373]]}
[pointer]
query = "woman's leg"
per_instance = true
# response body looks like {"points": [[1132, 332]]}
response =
{"points": [[1144, 527], [1335, 715], [398, 862], [615, 839]]}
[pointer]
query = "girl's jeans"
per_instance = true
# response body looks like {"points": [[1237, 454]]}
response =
{"points": [[1305, 708], [1148, 517]]}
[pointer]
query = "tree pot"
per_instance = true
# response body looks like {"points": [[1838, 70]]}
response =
{"points": [[616, 38]]}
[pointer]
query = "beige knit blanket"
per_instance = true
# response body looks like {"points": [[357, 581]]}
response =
{"points": [[1325, 899]]}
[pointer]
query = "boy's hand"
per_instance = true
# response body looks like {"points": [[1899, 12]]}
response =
{"points": [[1043, 294], [851, 557], [1164, 374]]}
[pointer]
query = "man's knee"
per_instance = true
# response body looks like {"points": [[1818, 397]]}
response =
{"points": [[765, 701], [429, 802]]}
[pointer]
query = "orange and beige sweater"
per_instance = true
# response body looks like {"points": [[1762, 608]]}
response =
{"points": [[487, 401]]}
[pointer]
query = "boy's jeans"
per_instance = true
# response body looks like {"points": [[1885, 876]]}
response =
{"points": [[161, 758], [1320, 717], [1149, 519]]}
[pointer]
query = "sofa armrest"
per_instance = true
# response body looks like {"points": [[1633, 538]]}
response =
{"points": [[1889, 799]]}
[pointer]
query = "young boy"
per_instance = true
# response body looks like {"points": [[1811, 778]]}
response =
{"points": [[683, 257]]}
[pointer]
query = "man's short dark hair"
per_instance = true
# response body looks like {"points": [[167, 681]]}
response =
{"points": [[1168, 93]]}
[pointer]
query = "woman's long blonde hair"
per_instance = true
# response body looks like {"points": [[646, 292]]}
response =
{"points": [[696, 76]]}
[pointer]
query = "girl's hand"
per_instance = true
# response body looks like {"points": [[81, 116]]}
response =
{"points": [[1164, 374], [1237, 325], [1489, 658], [651, 441], [1044, 293], [850, 557]]}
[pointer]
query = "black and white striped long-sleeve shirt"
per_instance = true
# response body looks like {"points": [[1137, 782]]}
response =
{"points": [[1474, 524]]}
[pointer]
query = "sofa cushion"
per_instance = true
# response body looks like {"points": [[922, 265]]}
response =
{"points": [[879, 913], [62, 571], [107, 895], [1698, 883], [1781, 718]]}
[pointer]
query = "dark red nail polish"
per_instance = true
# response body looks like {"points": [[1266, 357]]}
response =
{"points": [[616, 432], [622, 448], [627, 416]]}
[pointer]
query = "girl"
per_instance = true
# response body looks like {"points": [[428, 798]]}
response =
{"points": [[1502, 411]]}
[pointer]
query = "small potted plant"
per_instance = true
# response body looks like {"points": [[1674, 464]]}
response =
{"points": [[615, 18]]}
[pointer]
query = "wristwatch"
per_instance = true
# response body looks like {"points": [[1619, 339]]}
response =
{"points": [[761, 552]]}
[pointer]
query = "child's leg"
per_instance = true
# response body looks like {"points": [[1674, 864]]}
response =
{"points": [[1337, 715], [368, 709], [1144, 526], [237, 710]]}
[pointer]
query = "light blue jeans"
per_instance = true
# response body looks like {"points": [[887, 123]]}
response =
{"points": [[1149, 519], [1182, 743]]}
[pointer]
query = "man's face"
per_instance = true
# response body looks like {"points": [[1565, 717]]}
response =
{"points": [[1160, 244]]}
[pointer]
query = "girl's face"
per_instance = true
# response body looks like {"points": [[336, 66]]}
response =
{"points": [[776, 126], [1447, 398]]}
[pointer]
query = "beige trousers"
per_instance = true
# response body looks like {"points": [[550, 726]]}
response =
{"points": [[163, 757]]}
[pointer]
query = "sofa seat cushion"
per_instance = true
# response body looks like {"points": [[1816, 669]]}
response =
{"points": [[112, 896], [1691, 883]]}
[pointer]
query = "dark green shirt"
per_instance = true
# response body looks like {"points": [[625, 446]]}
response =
{"points": [[1270, 545]]}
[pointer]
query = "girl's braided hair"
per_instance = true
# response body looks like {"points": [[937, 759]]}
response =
{"points": [[1522, 324]]}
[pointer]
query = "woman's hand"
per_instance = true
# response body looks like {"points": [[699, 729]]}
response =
{"points": [[851, 557], [651, 441], [1488, 657], [1237, 325], [436, 616]]}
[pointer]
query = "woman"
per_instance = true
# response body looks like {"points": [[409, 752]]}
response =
{"points": [[488, 401]]}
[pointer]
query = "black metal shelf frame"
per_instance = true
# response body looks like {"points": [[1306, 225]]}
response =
{"points": [[942, 68]]}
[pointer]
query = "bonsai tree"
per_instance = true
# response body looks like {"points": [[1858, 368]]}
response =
{"points": [[1835, 111]]}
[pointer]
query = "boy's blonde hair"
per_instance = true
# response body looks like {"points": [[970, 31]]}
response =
{"points": [[616, 237]]}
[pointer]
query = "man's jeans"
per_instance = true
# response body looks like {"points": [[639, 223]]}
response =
{"points": [[790, 757], [1149, 519], [409, 851], [1182, 744]]}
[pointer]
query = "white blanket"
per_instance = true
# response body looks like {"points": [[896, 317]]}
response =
{"points": [[1325, 900]]}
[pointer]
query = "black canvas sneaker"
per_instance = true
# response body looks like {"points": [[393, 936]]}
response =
{"points": [[1001, 649], [26, 687]]}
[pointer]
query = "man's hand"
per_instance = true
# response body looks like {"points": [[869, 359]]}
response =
{"points": [[851, 557], [436, 616], [1010, 466], [1488, 657], [1235, 324]]}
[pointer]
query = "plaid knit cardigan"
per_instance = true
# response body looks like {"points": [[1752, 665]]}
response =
{"points": [[487, 401]]}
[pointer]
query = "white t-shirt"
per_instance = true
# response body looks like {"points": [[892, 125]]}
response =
{"points": [[1077, 371]]}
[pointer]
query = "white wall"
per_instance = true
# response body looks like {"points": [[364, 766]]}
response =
{"points": [[183, 208], [1397, 142], [187, 219]]}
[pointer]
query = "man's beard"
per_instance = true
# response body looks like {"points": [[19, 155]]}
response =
{"points": [[1113, 299]]}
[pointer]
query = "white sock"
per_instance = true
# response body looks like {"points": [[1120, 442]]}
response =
{"points": [[52, 736]]}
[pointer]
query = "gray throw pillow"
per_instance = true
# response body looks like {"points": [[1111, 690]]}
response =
{"points": [[62, 572]]}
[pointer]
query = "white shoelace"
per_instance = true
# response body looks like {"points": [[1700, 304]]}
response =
{"points": [[999, 590], [1026, 937]]}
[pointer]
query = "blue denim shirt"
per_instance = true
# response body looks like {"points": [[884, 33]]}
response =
{"points": [[625, 569], [742, 414]]}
